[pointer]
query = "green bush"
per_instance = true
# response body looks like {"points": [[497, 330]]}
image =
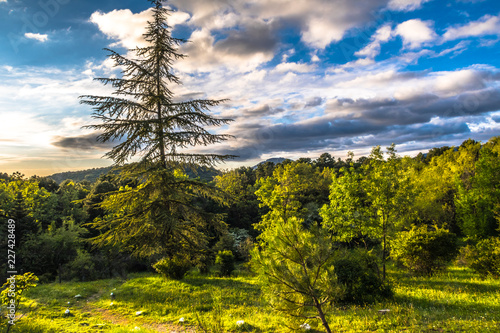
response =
{"points": [[357, 271], [225, 262], [174, 268], [424, 252], [484, 258]]}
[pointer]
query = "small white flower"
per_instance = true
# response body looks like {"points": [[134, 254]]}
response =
{"points": [[137, 328], [240, 322], [67, 311], [111, 304], [305, 326], [181, 320], [138, 313]]}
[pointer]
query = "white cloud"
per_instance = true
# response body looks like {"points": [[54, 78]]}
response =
{"points": [[416, 33], [39, 37], [382, 35], [128, 28], [294, 67], [406, 5], [486, 25], [459, 81]]}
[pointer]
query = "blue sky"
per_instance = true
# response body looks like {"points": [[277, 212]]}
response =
{"points": [[302, 77]]}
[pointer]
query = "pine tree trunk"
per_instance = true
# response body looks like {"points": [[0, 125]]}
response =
{"points": [[322, 315]]}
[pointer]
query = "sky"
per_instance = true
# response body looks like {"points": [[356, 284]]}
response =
{"points": [[302, 77]]}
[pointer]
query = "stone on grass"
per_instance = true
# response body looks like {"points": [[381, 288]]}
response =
{"points": [[305, 327]]}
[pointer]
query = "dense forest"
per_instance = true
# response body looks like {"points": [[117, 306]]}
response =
{"points": [[449, 188]]}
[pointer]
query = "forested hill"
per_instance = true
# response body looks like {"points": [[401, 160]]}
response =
{"points": [[91, 175]]}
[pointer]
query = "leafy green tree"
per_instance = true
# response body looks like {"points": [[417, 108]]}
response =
{"points": [[484, 257], [143, 114], [244, 210], [345, 215], [423, 251], [48, 252], [389, 195], [373, 202], [478, 199]]}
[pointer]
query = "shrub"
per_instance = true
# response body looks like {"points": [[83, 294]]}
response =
{"points": [[484, 258], [357, 271], [225, 262], [424, 252], [174, 268]]}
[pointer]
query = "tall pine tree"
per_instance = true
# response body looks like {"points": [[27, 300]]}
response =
{"points": [[158, 216]]}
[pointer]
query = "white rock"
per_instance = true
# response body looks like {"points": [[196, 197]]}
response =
{"points": [[305, 326]]}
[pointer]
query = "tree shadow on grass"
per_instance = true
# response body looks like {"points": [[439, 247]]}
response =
{"points": [[450, 285], [447, 307]]}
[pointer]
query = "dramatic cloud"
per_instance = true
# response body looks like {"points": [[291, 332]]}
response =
{"points": [[321, 21], [486, 25], [416, 33], [82, 142], [39, 37]]}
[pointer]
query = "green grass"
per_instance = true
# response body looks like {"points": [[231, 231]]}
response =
{"points": [[455, 301]]}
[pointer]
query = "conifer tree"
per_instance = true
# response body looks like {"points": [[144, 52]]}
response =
{"points": [[143, 112], [157, 216]]}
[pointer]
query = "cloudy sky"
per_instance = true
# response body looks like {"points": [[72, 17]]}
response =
{"points": [[302, 77]]}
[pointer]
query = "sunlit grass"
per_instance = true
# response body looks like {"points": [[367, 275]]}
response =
{"points": [[457, 300]]}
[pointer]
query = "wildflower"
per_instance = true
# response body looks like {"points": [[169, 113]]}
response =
{"points": [[305, 326], [138, 313], [111, 304], [181, 320], [66, 312], [240, 322], [137, 328]]}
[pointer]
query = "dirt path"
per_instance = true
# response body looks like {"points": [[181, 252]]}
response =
{"points": [[115, 319]]}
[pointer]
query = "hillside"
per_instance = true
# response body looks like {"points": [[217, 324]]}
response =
{"points": [[91, 175]]}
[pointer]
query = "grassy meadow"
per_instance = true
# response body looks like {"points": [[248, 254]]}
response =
{"points": [[454, 301]]}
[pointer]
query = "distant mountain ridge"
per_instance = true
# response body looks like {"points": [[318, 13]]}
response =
{"points": [[275, 160], [91, 175]]}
